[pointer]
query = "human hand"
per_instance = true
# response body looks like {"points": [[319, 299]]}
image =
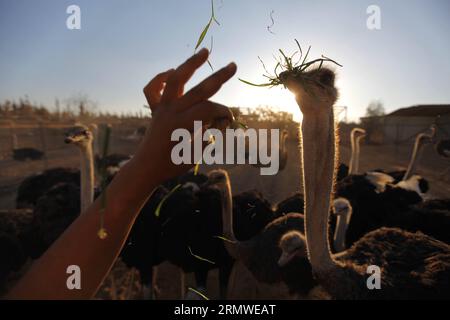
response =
{"points": [[173, 109]]}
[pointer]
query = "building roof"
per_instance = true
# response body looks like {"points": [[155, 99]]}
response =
{"points": [[431, 110]]}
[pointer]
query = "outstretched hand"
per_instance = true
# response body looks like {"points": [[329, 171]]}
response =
{"points": [[173, 109]]}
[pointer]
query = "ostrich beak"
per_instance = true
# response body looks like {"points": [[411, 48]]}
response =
{"points": [[68, 140]]}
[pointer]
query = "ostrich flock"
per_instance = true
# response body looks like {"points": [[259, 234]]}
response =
{"points": [[325, 238]]}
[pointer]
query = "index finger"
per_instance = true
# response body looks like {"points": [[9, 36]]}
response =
{"points": [[177, 80], [208, 87]]}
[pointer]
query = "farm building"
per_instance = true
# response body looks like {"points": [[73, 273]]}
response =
{"points": [[401, 126]]}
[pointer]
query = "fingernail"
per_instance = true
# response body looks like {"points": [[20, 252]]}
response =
{"points": [[231, 66], [202, 51]]}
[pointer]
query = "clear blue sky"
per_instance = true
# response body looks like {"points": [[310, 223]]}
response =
{"points": [[123, 43]]}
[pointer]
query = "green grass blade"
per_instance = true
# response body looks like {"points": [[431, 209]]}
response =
{"points": [[197, 166], [200, 258], [158, 208], [199, 293], [306, 55], [224, 239], [331, 60], [255, 84], [203, 34], [213, 15]]}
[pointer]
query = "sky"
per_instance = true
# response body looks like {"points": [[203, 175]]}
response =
{"points": [[122, 44]]}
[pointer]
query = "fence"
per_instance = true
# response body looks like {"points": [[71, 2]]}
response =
{"points": [[49, 137]]}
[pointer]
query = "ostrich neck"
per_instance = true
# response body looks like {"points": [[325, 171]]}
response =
{"points": [[227, 212], [86, 176], [341, 231], [357, 153], [414, 157], [318, 153], [283, 143], [351, 169], [237, 249]]}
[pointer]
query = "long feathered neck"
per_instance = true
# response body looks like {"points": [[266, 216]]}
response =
{"points": [[86, 176], [283, 142], [318, 153], [358, 152], [283, 151], [340, 232], [355, 151], [415, 155], [351, 168], [227, 211], [237, 249]]}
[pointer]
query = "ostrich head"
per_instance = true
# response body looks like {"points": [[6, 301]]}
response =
{"points": [[216, 177], [359, 133], [79, 135], [312, 88], [292, 244], [342, 207]]}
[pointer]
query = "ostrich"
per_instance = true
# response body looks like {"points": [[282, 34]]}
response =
{"points": [[141, 248], [377, 197], [261, 254], [293, 203], [59, 206], [388, 199], [53, 213], [35, 186], [421, 139], [355, 139], [191, 220], [82, 137], [412, 265], [343, 210]]}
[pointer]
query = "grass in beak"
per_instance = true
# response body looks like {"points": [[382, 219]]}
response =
{"points": [[286, 63], [160, 204], [200, 258]]}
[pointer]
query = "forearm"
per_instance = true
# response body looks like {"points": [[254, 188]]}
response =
{"points": [[80, 245]]}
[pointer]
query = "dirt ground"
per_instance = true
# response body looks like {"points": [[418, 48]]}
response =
{"points": [[122, 283]]}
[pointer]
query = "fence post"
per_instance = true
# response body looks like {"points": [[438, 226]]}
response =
{"points": [[14, 140], [43, 143]]}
